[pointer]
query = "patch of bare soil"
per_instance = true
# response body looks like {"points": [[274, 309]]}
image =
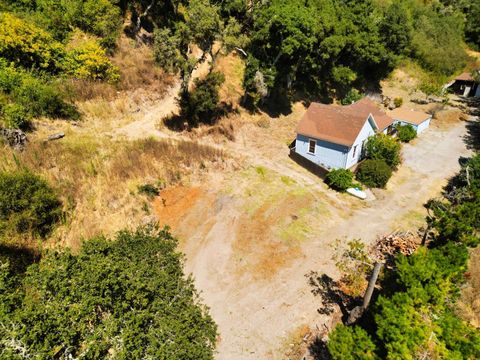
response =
{"points": [[261, 251], [174, 203]]}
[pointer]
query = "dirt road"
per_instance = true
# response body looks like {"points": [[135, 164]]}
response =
{"points": [[257, 316]]}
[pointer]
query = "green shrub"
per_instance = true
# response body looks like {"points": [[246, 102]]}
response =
{"points": [[398, 101], [89, 61], [350, 343], [406, 133], [101, 18], [384, 147], [339, 179], [149, 190], [352, 96], [374, 173], [202, 104], [27, 204], [27, 45], [9, 77], [15, 116], [43, 99]]}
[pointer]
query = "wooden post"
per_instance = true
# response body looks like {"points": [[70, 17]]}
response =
{"points": [[358, 311], [371, 285]]}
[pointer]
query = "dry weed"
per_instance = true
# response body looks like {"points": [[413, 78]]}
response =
{"points": [[98, 181], [469, 304]]}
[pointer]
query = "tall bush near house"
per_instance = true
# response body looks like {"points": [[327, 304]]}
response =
{"points": [[384, 147], [27, 204], [406, 133], [374, 173], [352, 96], [339, 179]]}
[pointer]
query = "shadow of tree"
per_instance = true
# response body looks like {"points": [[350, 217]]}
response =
{"points": [[181, 123], [19, 258], [318, 349], [472, 138], [331, 294]]}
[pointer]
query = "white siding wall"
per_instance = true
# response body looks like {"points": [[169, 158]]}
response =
{"points": [[423, 126], [328, 155], [419, 128], [365, 133]]}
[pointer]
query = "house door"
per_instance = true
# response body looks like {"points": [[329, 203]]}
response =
{"points": [[467, 90]]}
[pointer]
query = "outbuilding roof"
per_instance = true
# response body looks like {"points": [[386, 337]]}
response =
{"points": [[341, 124], [465, 77], [409, 116]]}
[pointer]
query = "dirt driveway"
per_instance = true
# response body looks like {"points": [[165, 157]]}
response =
{"points": [[258, 315]]}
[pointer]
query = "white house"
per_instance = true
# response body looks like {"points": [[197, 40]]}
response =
{"points": [[334, 136], [419, 120]]}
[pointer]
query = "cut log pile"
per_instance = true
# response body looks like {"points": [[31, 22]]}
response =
{"points": [[398, 242]]}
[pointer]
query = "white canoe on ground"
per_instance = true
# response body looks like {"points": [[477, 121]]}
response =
{"points": [[357, 193]]}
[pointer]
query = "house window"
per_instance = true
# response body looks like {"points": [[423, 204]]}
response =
{"points": [[311, 146], [354, 150]]}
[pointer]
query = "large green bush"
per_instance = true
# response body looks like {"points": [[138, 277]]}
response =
{"points": [[43, 99], [89, 61], [27, 204], [384, 147], [351, 343], [339, 179], [38, 95], [202, 104], [15, 116], [374, 173], [122, 298], [28, 45], [406, 133]]}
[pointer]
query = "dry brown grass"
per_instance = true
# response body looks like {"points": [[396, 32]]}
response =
{"points": [[233, 67], [98, 181], [468, 307], [447, 118], [138, 69], [137, 72]]}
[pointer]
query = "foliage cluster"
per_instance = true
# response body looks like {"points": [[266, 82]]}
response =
{"points": [[384, 147], [414, 315], [329, 47], [202, 104], [33, 61], [339, 179], [374, 173], [121, 298], [24, 96], [28, 205], [406, 133]]}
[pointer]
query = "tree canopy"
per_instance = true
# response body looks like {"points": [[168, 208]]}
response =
{"points": [[125, 298]]}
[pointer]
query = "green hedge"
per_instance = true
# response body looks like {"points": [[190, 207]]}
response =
{"points": [[339, 179], [374, 173]]}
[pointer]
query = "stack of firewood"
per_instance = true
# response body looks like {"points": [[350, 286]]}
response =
{"points": [[398, 242]]}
